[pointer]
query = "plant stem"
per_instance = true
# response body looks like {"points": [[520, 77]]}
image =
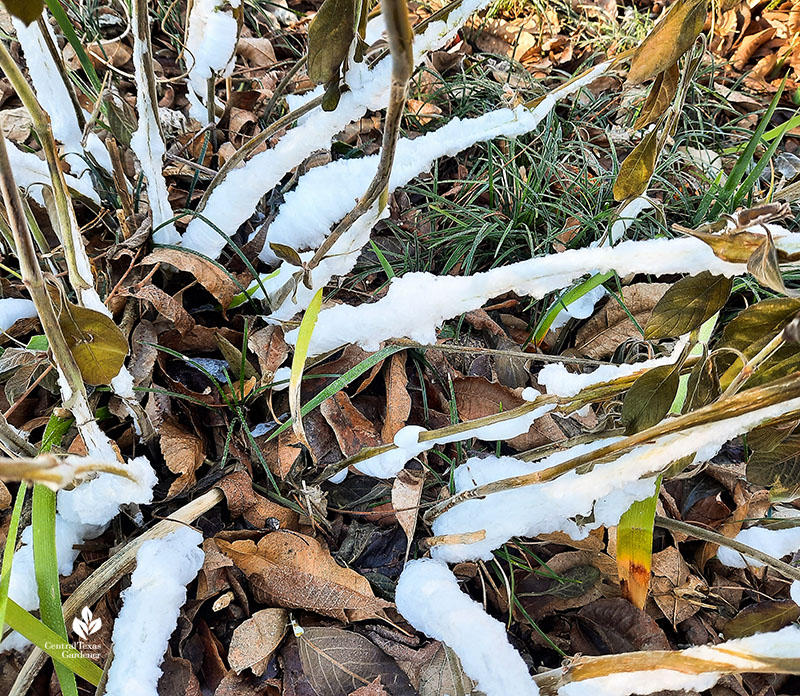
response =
{"points": [[65, 215], [750, 366], [34, 281], [401, 38], [788, 571]]}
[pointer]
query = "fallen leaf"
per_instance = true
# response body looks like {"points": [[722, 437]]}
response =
{"points": [[444, 676], [671, 584], [353, 430], [406, 494], [613, 626], [166, 306], [244, 502], [270, 349], [184, 453], [338, 662], [762, 617], [255, 640], [398, 401], [209, 274], [601, 335], [258, 51], [296, 572], [374, 688]]}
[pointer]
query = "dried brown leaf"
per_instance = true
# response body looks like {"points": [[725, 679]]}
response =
{"points": [[672, 584], [255, 640], [166, 306], [406, 494], [244, 502], [398, 401], [352, 429], [296, 572], [184, 453]]}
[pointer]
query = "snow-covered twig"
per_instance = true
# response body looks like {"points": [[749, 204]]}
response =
{"points": [[235, 198], [54, 472], [150, 609], [147, 142], [210, 45]]}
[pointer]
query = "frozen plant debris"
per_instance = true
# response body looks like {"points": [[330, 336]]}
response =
{"points": [[82, 513], [605, 492], [429, 598], [775, 542], [210, 46], [150, 609]]}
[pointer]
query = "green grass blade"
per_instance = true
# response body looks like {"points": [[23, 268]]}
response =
{"points": [[340, 383], [8, 551], [66, 26], [299, 362], [45, 562], [51, 643]]}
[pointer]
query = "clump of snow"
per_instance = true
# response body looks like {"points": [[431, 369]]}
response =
{"points": [[150, 610], [81, 514], [604, 493], [429, 598], [644, 682], [437, 298], [210, 46], [775, 542], [12, 310]]}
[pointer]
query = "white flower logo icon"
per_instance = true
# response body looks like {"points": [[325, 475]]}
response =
{"points": [[86, 625]]}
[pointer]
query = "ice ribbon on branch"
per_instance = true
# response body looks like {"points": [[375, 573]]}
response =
{"points": [[417, 303], [54, 96], [235, 198], [150, 610], [605, 492], [429, 598], [210, 45], [147, 142], [82, 513]]}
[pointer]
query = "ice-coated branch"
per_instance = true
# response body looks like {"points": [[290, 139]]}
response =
{"points": [[150, 609], [429, 598], [147, 141], [417, 303], [235, 198], [210, 45]]}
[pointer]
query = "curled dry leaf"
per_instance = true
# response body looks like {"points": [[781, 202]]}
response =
{"points": [[398, 401], [168, 307], [184, 453], [255, 640], [352, 429], [257, 51], [270, 349], [637, 168], [210, 275], [406, 494], [338, 662], [660, 97], [601, 335], [672, 584], [295, 571], [244, 502]]}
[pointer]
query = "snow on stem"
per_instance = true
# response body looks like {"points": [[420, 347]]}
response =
{"points": [[417, 303], [429, 598], [235, 198], [774, 542], [147, 142], [210, 46], [508, 497], [150, 610]]}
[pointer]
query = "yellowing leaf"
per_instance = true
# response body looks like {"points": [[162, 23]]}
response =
{"points": [[688, 304], [26, 10], [635, 549], [96, 343], [660, 97], [299, 361], [636, 170], [669, 40], [763, 266]]}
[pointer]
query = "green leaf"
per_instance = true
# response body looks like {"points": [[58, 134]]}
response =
{"points": [[26, 10], [329, 37], [49, 642], [637, 168], [660, 97], [649, 398], [669, 40], [8, 551], [688, 304], [763, 266], [96, 342], [38, 343], [777, 468]]}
